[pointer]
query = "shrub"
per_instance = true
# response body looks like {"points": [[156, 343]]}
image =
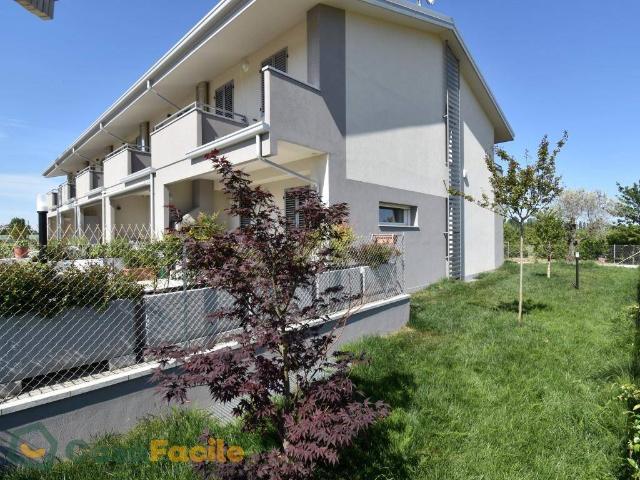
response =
{"points": [[6, 250], [205, 228], [592, 245], [43, 290], [624, 235], [373, 254], [287, 384]]}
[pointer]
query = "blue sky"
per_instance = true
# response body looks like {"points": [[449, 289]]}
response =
{"points": [[552, 65]]}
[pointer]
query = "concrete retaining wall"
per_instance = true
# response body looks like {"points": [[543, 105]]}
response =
{"points": [[117, 403]]}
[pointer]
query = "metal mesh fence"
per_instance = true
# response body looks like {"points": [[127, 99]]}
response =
{"points": [[84, 306], [624, 254]]}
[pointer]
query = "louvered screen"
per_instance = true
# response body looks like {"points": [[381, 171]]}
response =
{"points": [[454, 158], [278, 61], [224, 100], [292, 203], [244, 221]]}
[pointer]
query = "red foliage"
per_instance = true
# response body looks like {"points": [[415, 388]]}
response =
{"points": [[287, 383]]}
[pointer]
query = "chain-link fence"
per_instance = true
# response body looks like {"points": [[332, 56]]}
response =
{"points": [[83, 306], [624, 254], [512, 251]]}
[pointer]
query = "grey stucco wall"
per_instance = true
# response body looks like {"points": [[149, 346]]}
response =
{"points": [[119, 407], [425, 244]]}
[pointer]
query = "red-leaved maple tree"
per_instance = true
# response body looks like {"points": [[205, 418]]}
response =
{"points": [[288, 384]]}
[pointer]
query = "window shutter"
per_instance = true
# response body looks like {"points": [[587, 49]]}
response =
{"points": [[244, 221], [279, 61], [224, 100], [292, 202], [228, 99]]}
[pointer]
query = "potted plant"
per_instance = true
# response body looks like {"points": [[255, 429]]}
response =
{"points": [[21, 248], [20, 241]]}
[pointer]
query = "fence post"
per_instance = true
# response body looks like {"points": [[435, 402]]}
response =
{"points": [[614, 253], [184, 295], [140, 329]]}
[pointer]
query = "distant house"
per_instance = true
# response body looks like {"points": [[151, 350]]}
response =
{"points": [[377, 103], [41, 8]]}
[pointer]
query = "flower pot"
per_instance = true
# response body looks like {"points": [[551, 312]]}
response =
{"points": [[140, 274], [20, 252]]}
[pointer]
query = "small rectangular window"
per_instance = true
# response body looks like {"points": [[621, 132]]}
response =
{"points": [[224, 100], [391, 215]]}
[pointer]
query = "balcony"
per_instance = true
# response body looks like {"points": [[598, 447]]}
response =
{"points": [[123, 162], [52, 200], [88, 180], [192, 126], [296, 112], [67, 193]]}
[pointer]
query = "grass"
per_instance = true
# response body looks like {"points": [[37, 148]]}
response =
{"points": [[474, 396], [181, 427]]}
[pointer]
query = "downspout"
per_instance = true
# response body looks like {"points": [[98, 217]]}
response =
{"points": [[152, 194], [286, 170]]}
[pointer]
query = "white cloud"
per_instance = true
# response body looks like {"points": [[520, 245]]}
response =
{"points": [[18, 195], [9, 124]]}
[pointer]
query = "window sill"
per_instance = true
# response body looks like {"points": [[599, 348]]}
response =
{"points": [[408, 228]]}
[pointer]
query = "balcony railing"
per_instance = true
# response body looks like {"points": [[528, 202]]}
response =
{"points": [[191, 127], [53, 199], [88, 180], [124, 161], [202, 107], [67, 193]]}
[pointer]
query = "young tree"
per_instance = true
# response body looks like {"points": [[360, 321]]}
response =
{"points": [[288, 386], [549, 236], [628, 207], [524, 190]]}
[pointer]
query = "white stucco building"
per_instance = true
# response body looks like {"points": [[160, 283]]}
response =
{"points": [[376, 103]]}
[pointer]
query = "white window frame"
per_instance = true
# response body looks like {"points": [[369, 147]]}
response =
{"points": [[409, 221]]}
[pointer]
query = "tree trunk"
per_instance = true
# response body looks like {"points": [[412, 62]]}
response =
{"points": [[549, 266], [521, 294]]}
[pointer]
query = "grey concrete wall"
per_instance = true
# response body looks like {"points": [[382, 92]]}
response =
{"points": [[119, 407]]}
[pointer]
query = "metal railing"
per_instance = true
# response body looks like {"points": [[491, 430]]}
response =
{"points": [[205, 108], [127, 146], [80, 309]]}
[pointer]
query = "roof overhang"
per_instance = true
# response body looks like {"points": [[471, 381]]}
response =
{"points": [[40, 8], [228, 33]]}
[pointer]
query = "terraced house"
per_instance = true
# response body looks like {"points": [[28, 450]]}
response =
{"points": [[377, 103]]}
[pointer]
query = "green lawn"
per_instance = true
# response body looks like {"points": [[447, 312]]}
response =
{"points": [[477, 397], [474, 396]]}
